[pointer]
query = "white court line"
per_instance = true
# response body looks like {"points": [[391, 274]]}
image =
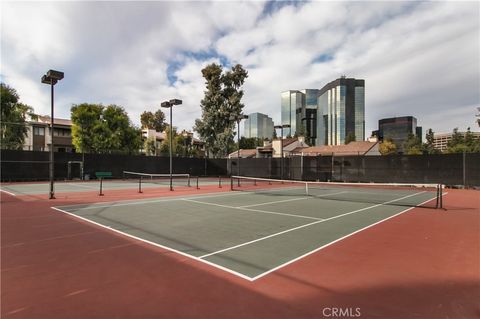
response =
{"points": [[6, 192], [157, 245], [292, 199], [251, 279], [306, 225], [249, 209], [335, 241], [141, 202]]}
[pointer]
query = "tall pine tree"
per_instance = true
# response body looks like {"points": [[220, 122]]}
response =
{"points": [[222, 101]]}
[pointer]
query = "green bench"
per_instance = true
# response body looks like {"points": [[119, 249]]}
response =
{"points": [[101, 175]]}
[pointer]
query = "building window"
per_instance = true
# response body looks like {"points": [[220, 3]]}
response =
{"points": [[39, 131], [61, 132]]}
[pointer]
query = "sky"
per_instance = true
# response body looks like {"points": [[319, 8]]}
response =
{"points": [[417, 58]]}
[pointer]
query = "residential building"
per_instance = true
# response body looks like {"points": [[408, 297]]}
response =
{"points": [[159, 137], [39, 138], [360, 148], [258, 125], [398, 129], [341, 111], [273, 149], [328, 116], [440, 140]]}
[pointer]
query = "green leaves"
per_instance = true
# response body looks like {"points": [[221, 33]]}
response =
{"points": [[100, 129], [13, 129], [387, 147], [222, 100], [463, 142], [153, 121]]}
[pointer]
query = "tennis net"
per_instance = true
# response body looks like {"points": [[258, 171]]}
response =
{"points": [[161, 179], [410, 195]]}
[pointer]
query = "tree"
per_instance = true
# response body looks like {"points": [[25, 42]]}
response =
{"points": [[478, 115], [165, 145], [413, 145], [387, 147], [250, 142], [457, 143], [153, 121], [350, 138], [221, 101], [13, 129], [100, 129], [428, 146], [463, 142], [84, 118], [150, 146]]}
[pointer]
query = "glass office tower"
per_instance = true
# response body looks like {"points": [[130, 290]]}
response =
{"points": [[292, 102], [341, 112], [258, 125], [397, 129]]}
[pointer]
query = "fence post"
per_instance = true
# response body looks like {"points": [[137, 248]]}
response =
{"points": [[464, 173]]}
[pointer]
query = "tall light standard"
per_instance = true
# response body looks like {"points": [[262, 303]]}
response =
{"points": [[281, 127], [51, 78], [238, 119], [169, 105]]}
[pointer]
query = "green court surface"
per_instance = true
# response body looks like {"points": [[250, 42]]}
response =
{"points": [[250, 234], [89, 186]]}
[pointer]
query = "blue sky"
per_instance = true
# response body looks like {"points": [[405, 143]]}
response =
{"points": [[417, 58]]}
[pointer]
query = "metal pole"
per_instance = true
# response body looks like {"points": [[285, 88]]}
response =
{"points": [[463, 169], [171, 144], [281, 153], [101, 187], [238, 152], [51, 168]]}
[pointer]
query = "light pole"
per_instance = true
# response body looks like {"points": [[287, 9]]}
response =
{"points": [[281, 127], [51, 78], [238, 119], [169, 105]]}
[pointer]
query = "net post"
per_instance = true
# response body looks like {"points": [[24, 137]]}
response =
{"points": [[197, 183], [441, 196], [437, 198], [306, 188], [219, 181], [101, 187], [231, 183], [189, 180], [140, 185], [254, 182]]}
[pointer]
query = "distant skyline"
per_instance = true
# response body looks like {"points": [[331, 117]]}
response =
{"points": [[417, 58]]}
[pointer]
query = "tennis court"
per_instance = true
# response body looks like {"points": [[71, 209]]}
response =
{"points": [[261, 225], [132, 181]]}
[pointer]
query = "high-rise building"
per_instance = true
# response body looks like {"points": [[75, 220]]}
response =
{"points": [[258, 125], [341, 112], [398, 129], [292, 103], [326, 116]]}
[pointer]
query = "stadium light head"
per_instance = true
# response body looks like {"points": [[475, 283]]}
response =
{"points": [[56, 75], [175, 102], [48, 80], [52, 77], [166, 104]]}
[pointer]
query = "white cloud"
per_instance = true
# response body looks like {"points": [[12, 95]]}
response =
{"points": [[418, 59]]}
